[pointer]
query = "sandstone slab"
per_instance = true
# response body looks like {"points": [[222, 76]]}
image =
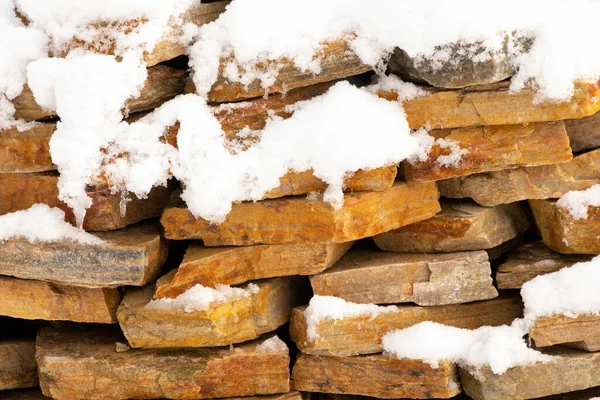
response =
{"points": [[26, 151], [564, 234], [460, 226], [210, 266], [219, 323], [581, 331], [21, 191], [17, 364], [426, 279], [584, 133], [30, 299], [86, 365], [491, 148], [541, 182], [300, 220], [162, 84], [493, 104], [530, 260], [131, 256], [362, 334], [571, 371], [375, 375]]}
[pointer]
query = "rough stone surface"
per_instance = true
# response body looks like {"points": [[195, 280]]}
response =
{"points": [[573, 370], [460, 226], [30, 299], [132, 256], [541, 182], [564, 234], [85, 365], [584, 133], [210, 266], [26, 151], [375, 375], [21, 191], [365, 276], [221, 324], [300, 220], [336, 58], [17, 364], [530, 260], [493, 105], [493, 148], [581, 331], [362, 334]]}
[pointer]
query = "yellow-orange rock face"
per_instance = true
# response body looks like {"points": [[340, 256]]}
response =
{"points": [[26, 151], [581, 331]]}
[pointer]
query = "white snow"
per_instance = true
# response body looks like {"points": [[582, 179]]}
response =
{"points": [[500, 347], [329, 307], [391, 83], [200, 298], [452, 159], [40, 223], [272, 345], [577, 202]]}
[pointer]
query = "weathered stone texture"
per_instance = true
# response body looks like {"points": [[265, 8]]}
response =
{"points": [[581, 331], [584, 133], [17, 364], [26, 151]]}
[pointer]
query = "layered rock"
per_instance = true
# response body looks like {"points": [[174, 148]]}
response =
{"points": [[362, 334], [565, 234], [17, 364], [130, 256], [584, 133], [301, 220], [234, 319], [460, 226], [541, 182], [210, 266], [27, 151], [86, 365], [491, 148], [30, 299], [530, 260], [425, 279], [375, 375], [580, 331]]}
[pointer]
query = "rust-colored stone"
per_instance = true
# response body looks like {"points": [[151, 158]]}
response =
{"points": [[26, 151], [581, 331], [17, 364]]}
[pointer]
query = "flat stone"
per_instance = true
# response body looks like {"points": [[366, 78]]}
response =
{"points": [[493, 104], [129, 257], [581, 331], [362, 334], [584, 133], [21, 191], [162, 84], [564, 234], [365, 276], [492, 148], [460, 226], [530, 260], [210, 266], [541, 182], [571, 371], [17, 364], [300, 220], [375, 375], [86, 365], [26, 151], [222, 323], [30, 299], [337, 61]]}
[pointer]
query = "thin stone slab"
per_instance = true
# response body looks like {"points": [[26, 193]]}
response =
{"points": [[17, 364], [362, 334], [493, 104], [26, 151], [162, 84], [233, 320], [337, 61], [131, 256], [86, 365], [460, 226], [564, 234], [375, 375], [109, 211], [531, 260], [541, 182], [30, 299], [301, 220], [571, 371], [366, 276], [581, 331], [492, 148], [210, 266], [584, 133]]}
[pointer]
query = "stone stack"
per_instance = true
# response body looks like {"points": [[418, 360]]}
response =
{"points": [[149, 312]]}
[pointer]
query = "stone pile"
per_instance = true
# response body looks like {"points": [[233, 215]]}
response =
{"points": [[425, 241]]}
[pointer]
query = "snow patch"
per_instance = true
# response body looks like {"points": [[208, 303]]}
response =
{"points": [[578, 201]]}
